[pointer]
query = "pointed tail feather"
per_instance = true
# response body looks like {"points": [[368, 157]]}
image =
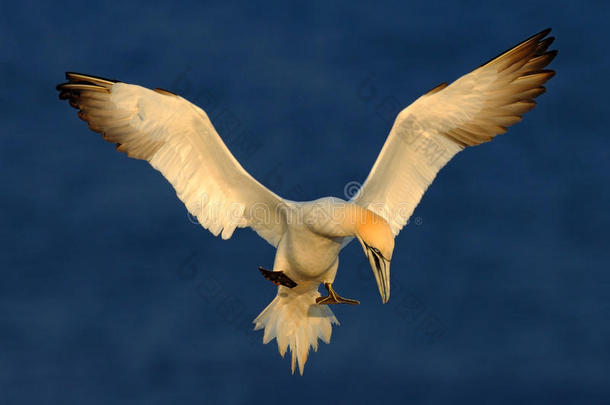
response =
{"points": [[295, 320]]}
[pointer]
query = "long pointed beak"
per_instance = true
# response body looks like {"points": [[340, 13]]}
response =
{"points": [[381, 270]]}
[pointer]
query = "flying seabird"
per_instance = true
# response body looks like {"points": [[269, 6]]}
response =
{"points": [[178, 139]]}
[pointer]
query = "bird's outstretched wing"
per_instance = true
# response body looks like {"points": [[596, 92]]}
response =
{"points": [[178, 139], [472, 110]]}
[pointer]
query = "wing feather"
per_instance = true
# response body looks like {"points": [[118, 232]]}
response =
{"points": [[178, 139], [472, 110]]}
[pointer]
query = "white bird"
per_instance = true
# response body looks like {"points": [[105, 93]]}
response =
{"points": [[178, 139]]}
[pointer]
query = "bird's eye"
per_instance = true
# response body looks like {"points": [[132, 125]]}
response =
{"points": [[375, 250]]}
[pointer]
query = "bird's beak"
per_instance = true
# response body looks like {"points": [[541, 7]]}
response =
{"points": [[381, 270]]}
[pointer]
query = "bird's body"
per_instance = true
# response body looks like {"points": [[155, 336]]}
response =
{"points": [[178, 139], [308, 252], [317, 231]]}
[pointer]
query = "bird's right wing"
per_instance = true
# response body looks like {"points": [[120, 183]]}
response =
{"points": [[429, 132], [178, 139]]}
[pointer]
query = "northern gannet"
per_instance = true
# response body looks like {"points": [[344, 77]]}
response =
{"points": [[178, 139]]}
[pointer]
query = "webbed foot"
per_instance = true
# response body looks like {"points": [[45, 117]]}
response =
{"points": [[334, 298], [278, 278]]}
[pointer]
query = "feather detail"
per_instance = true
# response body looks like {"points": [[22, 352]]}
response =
{"points": [[295, 320], [470, 111], [178, 139]]}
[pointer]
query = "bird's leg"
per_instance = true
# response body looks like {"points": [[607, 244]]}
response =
{"points": [[334, 298], [278, 278]]}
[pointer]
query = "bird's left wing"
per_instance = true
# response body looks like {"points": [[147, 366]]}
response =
{"points": [[472, 110], [178, 139]]}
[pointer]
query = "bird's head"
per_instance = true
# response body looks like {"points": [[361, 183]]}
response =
{"points": [[377, 241]]}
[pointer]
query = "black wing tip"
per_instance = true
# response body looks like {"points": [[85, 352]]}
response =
{"points": [[544, 32], [80, 81], [75, 78], [538, 38], [70, 75], [552, 52]]}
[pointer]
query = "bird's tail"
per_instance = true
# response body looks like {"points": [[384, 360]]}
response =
{"points": [[296, 321]]}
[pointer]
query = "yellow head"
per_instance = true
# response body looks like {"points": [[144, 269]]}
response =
{"points": [[377, 241]]}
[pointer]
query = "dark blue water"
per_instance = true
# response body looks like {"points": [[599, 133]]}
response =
{"points": [[109, 295]]}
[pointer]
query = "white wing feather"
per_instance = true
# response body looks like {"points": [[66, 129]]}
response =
{"points": [[178, 139], [429, 132]]}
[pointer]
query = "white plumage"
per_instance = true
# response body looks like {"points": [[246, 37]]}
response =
{"points": [[178, 139], [472, 110]]}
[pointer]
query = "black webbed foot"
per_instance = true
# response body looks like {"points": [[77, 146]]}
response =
{"points": [[277, 278]]}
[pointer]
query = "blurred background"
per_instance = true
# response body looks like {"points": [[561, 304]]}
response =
{"points": [[110, 294]]}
